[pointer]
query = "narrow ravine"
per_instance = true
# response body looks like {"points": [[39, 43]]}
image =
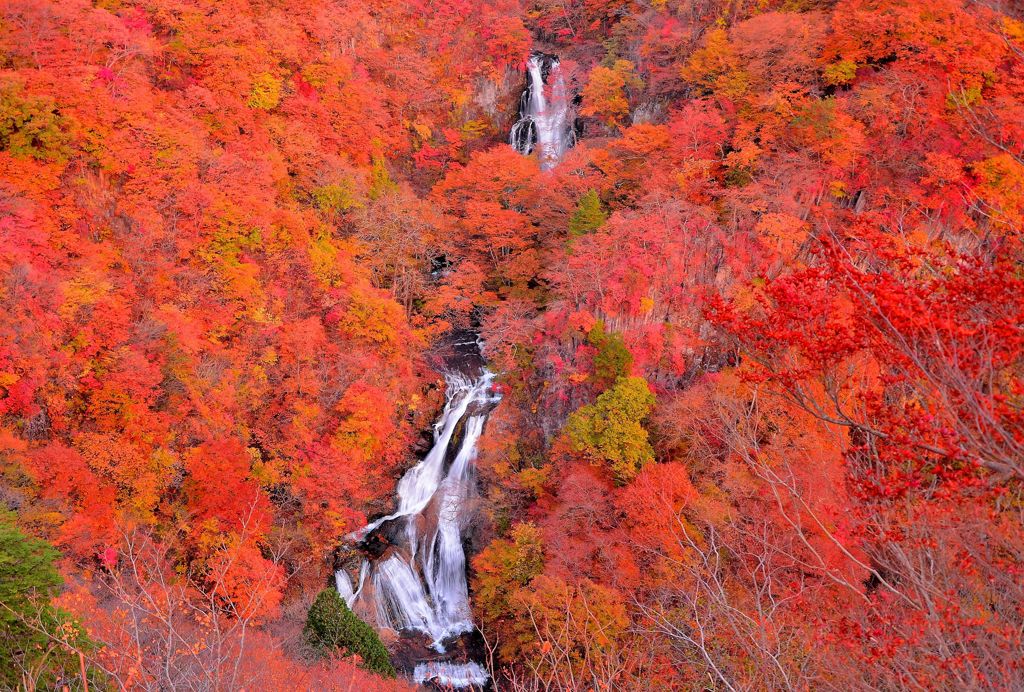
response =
{"points": [[412, 579]]}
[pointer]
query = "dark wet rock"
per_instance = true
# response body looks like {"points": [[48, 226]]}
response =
{"points": [[459, 352]]}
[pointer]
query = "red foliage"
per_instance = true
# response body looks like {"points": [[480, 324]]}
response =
{"points": [[231, 230]]}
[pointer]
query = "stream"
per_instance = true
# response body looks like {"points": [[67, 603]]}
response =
{"points": [[411, 577]]}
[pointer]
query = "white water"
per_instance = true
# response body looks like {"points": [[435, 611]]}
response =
{"points": [[444, 562], [401, 601], [343, 583], [420, 583], [545, 125], [451, 674], [418, 485]]}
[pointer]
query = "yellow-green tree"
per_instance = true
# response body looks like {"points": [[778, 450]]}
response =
{"points": [[265, 94], [589, 216], [31, 126], [613, 358], [610, 431]]}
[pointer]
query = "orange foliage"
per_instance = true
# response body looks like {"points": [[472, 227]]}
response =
{"points": [[232, 231]]}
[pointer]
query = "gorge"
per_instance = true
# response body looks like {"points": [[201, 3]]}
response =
{"points": [[550, 345], [412, 578]]}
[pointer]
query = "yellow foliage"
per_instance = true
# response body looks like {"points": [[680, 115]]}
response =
{"points": [[265, 93], [266, 472], [1013, 28], [422, 130], [604, 95], [610, 431], [336, 197], [716, 67], [140, 476], [373, 318], [474, 129], [534, 480], [84, 290], [1003, 188], [841, 72], [269, 356], [324, 255]]}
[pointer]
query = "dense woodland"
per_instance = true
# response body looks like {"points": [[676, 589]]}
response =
{"points": [[759, 335]]}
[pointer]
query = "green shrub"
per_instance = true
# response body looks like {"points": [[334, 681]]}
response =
{"points": [[330, 625], [28, 580]]}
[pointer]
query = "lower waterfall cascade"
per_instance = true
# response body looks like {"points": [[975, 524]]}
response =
{"points": [[417, 584], [450, 674]]}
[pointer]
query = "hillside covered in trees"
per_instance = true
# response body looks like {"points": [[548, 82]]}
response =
{"points": [[755, 327]]}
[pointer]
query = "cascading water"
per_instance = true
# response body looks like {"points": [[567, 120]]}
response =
{"points": [[415, 580], [418, 582], [343, 583], [545, 122], [449, 675]]}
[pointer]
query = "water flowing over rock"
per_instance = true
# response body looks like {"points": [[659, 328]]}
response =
{"points": [[545, 113], [413, 579], [343, 583], [451, 674]]}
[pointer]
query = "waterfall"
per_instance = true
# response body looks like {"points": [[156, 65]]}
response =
{"points": [[343, 583], [417, 487], [545, 122], [401, 601], [444, 562], [418, 583]]}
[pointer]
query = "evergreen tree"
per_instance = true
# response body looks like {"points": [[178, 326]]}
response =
{"points": [[28, 579], [589, 216], [331, 625]]}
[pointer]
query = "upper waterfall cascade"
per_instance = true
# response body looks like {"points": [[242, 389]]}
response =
{"points": [[545, 114], [419, 582]]}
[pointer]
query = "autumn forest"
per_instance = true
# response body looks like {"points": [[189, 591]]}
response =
{"points": [[511, 345]]}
